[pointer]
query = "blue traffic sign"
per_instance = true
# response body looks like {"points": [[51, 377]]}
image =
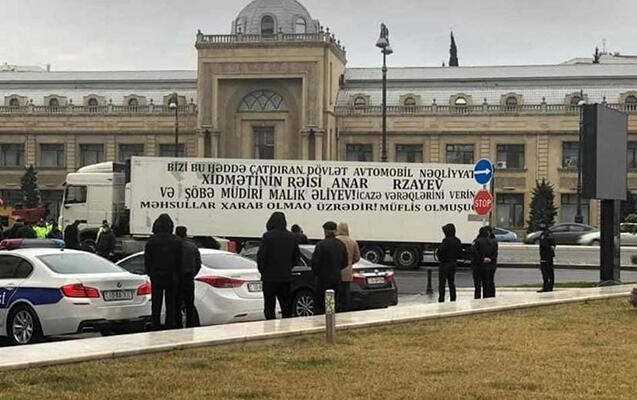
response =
{"points": [[483, 171]]}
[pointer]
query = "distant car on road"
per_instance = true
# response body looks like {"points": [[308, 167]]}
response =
{"points": [[564, 233], [373, 286], [503, 235], [628, 237]]}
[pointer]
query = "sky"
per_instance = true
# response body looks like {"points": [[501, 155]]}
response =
{"points": [[75, 35]]}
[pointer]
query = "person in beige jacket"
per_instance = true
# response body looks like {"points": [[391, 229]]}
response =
{"points": [[353, 256]]}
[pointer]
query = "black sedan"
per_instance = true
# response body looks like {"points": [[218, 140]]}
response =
{"points": [[373, 285], [564, 233]]}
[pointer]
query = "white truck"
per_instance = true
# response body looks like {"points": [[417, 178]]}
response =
{"points": [[391, 208]]}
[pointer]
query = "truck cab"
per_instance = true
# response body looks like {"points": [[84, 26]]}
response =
{"points": [[92, 194]]}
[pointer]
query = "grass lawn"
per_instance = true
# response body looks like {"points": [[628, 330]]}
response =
{"points": [[576, 351]]}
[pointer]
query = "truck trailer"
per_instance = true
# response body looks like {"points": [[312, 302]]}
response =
{"points": [[394, 209]]}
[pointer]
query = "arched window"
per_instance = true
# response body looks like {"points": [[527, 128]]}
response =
{"points": [[631, 103], [300, 26], [511, 103], [263, 100], [240, 26], [54, 104], [461, 104], [409, 102], [575, 100], [14, 102], [267, 25], [132, 104], [92, 104], [360, 102]]}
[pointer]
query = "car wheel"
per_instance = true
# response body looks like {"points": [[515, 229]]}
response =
{"points": [[304, 304], [373, 254], [406, 257], [596, 243], [23, 326]]}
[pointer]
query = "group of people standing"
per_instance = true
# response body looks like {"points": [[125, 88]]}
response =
{"points": [[331, 264], [484, 258], [172, 262], [43, 229]]}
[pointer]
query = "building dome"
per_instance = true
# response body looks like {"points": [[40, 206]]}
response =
{"points": [[265, 17]]}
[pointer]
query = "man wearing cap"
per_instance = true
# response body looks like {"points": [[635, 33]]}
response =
{"points": [[329, 258]]}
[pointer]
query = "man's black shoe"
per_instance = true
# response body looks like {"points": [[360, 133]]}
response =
{"points": [[541, 291]]}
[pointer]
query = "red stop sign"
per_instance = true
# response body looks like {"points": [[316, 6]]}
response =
{"points": [[483, 203]]}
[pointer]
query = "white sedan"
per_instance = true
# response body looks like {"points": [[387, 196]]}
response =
{"points": [[227, 288], [49, 291]]}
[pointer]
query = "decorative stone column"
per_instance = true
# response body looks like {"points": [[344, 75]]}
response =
{"points": [[200, 142], [318, 144], [214, 142], [319, 134]]}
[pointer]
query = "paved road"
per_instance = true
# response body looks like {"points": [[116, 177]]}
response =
{"points": [[414, 282]]}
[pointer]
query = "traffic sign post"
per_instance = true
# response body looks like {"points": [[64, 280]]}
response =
{"points": [[483, 171], [483, 203]]}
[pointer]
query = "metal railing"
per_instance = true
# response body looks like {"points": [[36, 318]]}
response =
{"points": [[488, 109], [98, 110]]}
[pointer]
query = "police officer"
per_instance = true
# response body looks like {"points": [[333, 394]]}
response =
{"points": [[547, 254]]}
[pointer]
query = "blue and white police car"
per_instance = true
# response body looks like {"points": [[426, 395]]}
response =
{"points": [[53, 291]]}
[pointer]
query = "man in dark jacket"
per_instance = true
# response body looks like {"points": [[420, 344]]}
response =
{"points": [[72, 236], [162, 263], [328, 259], [547, 253], [27, 231], [485, 256], [55, 232], [277, 255], [190, 266], [448, 253], [106, 243], [300, 236]]}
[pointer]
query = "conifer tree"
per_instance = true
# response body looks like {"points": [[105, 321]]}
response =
{"points": [[453, 52], [29, 185], [543, 210]]}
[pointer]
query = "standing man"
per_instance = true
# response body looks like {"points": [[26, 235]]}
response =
{"points": [[300, 236], [277, 255], [105, 245], [485, 256], [329, 258], [162, 263], [547, 254], [353, 256], [190, 266], [72, 235], [448, 253]]}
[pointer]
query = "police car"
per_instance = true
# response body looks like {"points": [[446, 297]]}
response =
{"points": [[46, 291]]}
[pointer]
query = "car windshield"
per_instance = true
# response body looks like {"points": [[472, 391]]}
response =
{"points": [[78, 263], [227, 261]]}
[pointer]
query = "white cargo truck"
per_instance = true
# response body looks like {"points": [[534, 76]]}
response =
{"points": [[391, 208]]}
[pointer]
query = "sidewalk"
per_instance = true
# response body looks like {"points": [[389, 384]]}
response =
{"points": [[54, 353]]}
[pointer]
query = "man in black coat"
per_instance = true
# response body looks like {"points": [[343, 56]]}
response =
{"points": [[448, 253], [547, 253], [72, 236], [300, 236], [277, 255], [105, 245], [162, 263], [190, 266], [328, 259], [485, 257]]}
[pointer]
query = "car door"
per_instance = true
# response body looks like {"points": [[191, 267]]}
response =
{"points": [[10, 280], [574, 233]]}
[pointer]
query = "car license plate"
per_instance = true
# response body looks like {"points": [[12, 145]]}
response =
{"points": [[118, 295], [255, 287], [376, 280]]}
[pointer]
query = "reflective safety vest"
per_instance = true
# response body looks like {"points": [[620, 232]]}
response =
{"points": [[40, 231]]}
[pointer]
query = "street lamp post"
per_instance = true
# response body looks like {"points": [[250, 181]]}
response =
{"points": [[174, 105], [385, 49], [579, 218]]}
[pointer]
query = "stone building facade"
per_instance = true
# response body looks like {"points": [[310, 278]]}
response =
{"points": [[277, 86]]}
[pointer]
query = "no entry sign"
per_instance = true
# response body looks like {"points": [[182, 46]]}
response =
{"points": [[483, 203]]}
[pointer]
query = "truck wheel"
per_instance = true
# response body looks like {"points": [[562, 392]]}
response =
{"points": [[406, 257], [23, 326], [303, 304], [373, 254]]}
